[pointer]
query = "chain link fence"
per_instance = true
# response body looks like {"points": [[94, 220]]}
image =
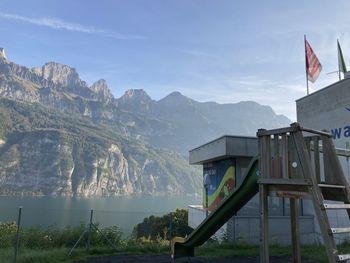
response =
{"points": [[30, 227]]}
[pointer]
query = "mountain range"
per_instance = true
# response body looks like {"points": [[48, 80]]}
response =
{"points": [[61, 136]]}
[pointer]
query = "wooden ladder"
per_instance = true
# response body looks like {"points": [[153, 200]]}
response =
{"points": [[334, 188], [321, 207]]}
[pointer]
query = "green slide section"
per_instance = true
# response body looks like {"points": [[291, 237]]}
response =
{"points": [[184, 247]]}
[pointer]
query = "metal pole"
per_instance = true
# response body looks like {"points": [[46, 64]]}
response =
{"points": [[106, 238], [76, 243], [338, 59], [17, 235], [306, 67], [90, 227], [206, 202]]}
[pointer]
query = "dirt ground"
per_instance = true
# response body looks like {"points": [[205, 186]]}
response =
{"points": [[167, 259]]}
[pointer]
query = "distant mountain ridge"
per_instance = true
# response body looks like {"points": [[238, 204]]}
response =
{"points": [[167, 123], [134, 137], [192, 123]]}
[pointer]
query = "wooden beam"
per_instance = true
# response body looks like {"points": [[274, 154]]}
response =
{"points": [[264, 225], [294, 222], [275, 131], [276, 181]]}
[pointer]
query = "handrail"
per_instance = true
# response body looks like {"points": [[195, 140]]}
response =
{"points": [[263, 132], [324, 132], [340, 151], [279, 149], [293, 128]]}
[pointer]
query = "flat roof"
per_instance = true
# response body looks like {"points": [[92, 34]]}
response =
{"points": [[224, 147], [340, 82]]}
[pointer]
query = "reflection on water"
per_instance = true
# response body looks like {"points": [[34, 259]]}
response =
{"points": [[60, 211]]}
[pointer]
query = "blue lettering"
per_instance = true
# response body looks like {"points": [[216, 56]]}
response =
{"points": [[336, 133], [347, 131]]}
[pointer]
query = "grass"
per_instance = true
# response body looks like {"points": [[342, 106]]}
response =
{"points": [[52, 245], [137, 247], [55, 255]]}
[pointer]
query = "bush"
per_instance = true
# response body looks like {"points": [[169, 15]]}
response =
{"points": [[165, 227], [7, 234]]}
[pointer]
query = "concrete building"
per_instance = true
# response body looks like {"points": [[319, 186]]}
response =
{"points": [[329, 109], [226, 158]]}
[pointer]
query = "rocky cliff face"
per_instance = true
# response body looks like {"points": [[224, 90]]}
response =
{"points": [[44, 163], [58, 74], [2, 53], [136, 101], [103, 92], [57, 154]]}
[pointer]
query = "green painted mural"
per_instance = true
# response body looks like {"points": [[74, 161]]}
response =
{"points": [[219, 182]]}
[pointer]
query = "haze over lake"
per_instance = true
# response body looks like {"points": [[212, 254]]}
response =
{"points": [[124, 212]]}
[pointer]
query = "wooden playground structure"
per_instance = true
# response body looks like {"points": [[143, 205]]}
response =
{"points": [[294, 163], [298, 163]]}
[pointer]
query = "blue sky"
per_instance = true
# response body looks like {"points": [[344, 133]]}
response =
{"points": [[210, 50]]}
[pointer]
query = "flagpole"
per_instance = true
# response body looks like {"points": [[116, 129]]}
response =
{"points": [[306, 67], [338, 59]]}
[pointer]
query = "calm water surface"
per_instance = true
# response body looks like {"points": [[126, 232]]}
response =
{"points": [[61, 211]]}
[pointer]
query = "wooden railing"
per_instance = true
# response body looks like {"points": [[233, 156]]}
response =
{"points": [[280, 152]]}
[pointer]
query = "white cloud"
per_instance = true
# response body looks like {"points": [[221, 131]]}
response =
{"points": [[197, 53], [253, 82], [298, 88], [59, 24]]}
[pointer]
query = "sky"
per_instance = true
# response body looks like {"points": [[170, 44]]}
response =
{"points": [[209, 50]]}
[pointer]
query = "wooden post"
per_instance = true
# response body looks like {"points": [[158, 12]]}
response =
{"points": [[276, 157], [294, 222], [264, 225], [285, 164], [317, 159]]}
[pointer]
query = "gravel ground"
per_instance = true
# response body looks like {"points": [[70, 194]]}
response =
{"points": [[167, 259]]}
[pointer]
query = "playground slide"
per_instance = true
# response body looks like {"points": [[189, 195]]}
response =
{"points": [[184, 247]]}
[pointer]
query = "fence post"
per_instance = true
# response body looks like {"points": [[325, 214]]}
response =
{"points": [[90, 227], [171, 226], [17, 235]]}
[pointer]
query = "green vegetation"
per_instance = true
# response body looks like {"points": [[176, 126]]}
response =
{"points": [[53, 244], [165, 227], [58, 255], [149, 247], [53, 237]]}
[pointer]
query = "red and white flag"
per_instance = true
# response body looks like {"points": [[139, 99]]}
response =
{"points": [[313, 66]]}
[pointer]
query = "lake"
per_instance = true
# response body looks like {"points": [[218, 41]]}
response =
{"points": [[124, 212]]}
